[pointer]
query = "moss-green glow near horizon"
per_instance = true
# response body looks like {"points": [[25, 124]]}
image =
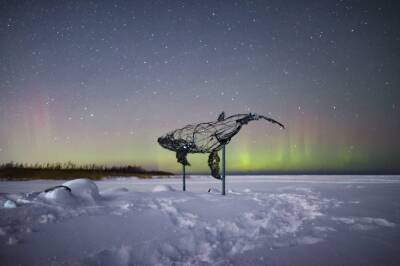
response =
{"points": [[257, 158], [255, 149]]}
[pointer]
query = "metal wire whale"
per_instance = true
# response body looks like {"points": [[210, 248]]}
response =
{"points": [[208, 137]]}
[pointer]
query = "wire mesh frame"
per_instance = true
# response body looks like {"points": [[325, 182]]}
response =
{"points": [[209, 137]]}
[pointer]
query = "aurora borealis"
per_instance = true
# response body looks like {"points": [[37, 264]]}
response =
{"points": [[100, 81]]}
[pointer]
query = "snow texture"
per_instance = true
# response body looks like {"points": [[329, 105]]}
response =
{"points": [[261, 221], [162, 188]]}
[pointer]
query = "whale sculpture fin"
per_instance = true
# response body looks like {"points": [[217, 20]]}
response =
{"points": [[221, 116], [181, 157], [213, 163]]}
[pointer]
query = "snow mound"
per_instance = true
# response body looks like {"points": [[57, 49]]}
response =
{"points": [[163, 188], [84, 189], [9, 204], [60, 195], [364, 223]]}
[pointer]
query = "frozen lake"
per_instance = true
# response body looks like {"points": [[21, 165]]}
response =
{"points": [[263, 220]]}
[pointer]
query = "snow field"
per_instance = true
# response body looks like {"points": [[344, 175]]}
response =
{"points": [[165, 226]]}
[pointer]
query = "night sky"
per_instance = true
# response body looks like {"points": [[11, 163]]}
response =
{"points": [[99, 82]]}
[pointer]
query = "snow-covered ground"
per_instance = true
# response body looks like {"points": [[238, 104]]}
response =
{"points": [[263, 220]]}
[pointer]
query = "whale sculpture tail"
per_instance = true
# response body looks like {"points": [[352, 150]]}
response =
{"points": [[251, 117]]}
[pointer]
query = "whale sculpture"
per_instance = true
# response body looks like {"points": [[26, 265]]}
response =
{"points": [[208, 137]]}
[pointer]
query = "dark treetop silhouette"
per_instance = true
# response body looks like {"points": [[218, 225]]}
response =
{"points": [[208, 137]]}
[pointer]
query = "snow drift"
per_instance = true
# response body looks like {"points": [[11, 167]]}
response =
{"points": [[124, 223]]}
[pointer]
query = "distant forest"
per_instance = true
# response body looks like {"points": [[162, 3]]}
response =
{"points": [[69, 170]]}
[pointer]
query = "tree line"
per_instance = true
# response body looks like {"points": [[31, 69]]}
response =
{"points": [[71, 166], [69, 170]]}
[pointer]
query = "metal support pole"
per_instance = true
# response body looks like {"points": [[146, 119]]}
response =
{"points": [[223, 170], [183, 178]]}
